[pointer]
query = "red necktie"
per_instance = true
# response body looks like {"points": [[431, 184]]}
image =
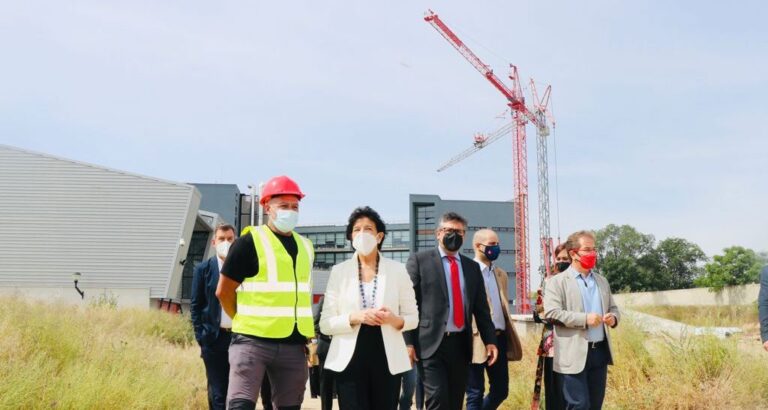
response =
{"points": [[458, 303]]}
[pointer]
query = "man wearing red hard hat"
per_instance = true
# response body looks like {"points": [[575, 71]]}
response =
{"points": [[265, 286]]}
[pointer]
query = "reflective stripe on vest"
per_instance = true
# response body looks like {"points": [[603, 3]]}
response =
{"points": [[279, 297]]}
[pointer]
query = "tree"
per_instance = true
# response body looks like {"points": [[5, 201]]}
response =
{"points": [[678, 263], [623, 257], [632, 262], [736, 266]]}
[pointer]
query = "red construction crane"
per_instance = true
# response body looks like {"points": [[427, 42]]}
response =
{"points": [[520, 116]]}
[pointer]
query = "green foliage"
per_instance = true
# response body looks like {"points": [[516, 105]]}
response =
{"points": [[737, 266], [678, 263], [631, 260]]}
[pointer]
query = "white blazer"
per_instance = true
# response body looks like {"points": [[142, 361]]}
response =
{"points": [[342, 297]]}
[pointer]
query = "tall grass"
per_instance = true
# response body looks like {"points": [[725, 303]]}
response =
{"points": [[658, 373], [97, 357], [63, 357], [724, 315]]}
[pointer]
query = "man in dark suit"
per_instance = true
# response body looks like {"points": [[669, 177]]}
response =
{"points": [[450, 291], [211, 323], [326, 376]]}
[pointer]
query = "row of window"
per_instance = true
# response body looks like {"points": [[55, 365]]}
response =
{"points": [[338, 240], [326, 260]]}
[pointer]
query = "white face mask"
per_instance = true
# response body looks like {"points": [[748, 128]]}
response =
{"points": [[286, 220], [222, 249], [364, 243]]}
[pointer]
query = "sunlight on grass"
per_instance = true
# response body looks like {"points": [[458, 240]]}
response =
{"points": [[727, 315], [660, 373], [55, 356]]}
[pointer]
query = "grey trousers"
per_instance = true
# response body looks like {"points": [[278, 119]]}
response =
{"points": [[284, 363]]}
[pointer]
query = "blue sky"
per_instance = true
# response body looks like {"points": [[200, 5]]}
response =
{"points": [[660, 105]]}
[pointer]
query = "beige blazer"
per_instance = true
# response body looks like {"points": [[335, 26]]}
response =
{"points": [[563, 303], [514, 349], [342, 297]]}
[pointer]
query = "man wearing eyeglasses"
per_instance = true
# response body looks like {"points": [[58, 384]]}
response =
{"points": [[580, 303], [449, 291]]}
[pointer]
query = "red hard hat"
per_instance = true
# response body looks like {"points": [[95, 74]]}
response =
{"points": [[281, 185]]}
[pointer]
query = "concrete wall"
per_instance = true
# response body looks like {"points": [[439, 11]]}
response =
{"points": [[124, 298], [737, 295]]}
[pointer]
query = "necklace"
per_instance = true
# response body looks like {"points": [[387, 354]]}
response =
{"points": [[375, 283]]}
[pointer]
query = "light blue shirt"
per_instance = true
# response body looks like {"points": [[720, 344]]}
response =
{"points": [[489, 277], [590, 296], [449, 325]]}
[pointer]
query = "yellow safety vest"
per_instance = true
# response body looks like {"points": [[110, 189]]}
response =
{"points": [[278, 298]]}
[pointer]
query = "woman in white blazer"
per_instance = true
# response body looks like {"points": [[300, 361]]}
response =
{"points": [[369, 303]]}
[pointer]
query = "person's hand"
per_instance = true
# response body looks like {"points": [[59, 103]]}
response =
{"points": [[412, 354], [594, 320], [389, 318], [370, 317], [765, 345], [355, 318], [609, 319], [493, 354], [385, 315]]}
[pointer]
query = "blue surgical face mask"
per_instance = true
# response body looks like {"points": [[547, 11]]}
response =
{"points": [[492, 252], [286, 220]]}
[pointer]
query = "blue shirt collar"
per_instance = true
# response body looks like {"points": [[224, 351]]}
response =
{"points": [[576, 273], [443, 254]]}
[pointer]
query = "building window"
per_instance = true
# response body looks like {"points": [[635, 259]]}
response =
{"points": [[195, 255], [400, 256], [401, 239], [425, 226], [326, 260]]}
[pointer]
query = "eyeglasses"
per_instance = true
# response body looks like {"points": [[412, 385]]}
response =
{"points": [[461, 232]]}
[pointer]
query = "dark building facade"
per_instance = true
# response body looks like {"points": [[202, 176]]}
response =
{"points": [[425, 212]]}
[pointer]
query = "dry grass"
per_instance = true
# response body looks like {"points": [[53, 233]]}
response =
{"points": [[97, 358], [655, 373], [727, 315]]}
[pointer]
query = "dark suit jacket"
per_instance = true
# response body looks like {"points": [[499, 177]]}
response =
{"points": [[428, 277], [323, 341], [204, 306], [762, 303]]}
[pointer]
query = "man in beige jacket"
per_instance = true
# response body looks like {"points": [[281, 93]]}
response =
{"points": [[487, 248], [579, 301]]}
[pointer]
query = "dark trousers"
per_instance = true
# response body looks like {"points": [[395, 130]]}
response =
{"points": [[314, 381], [252, 359], [327, 384], [412, 384], [553, 392], [498, 380], [445, 373], [366, 382], [266, 394], [216, 359], [586, 390]]}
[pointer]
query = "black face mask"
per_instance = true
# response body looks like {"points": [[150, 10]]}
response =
{"points": [[452, 241], [562, 266]]}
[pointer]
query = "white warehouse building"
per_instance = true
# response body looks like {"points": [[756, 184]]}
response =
{"points": [[126, 234]]}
